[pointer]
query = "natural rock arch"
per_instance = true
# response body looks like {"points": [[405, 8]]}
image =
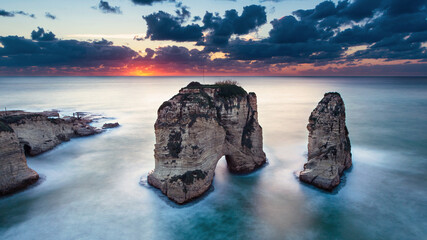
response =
{"points": [[198, 126]]}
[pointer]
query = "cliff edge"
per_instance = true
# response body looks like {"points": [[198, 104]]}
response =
{"points": [[14, 172], [198, 126]]}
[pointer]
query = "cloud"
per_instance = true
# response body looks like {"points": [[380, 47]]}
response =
{"points": [[105, 7], [41, 35], [163, 26], [289, 30], [49, 15], [45, 51], [323, 34], [149, 2], [222, 28], [5, 13]]}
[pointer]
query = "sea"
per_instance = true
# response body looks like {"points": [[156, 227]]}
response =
{"points": [[95, 187]]}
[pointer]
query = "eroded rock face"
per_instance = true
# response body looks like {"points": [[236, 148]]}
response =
{"points": [[38, 133], [14, 172], [33, 133], [329, 150], [198, 126]]}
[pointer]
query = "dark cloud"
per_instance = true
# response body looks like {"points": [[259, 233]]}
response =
{"points": [[418, 37], [139, 38], [182, 13], [163, 26], [175, 54], [301, 52], [19, 52], [5, 13], [41, 35], [391, 31], [289, 30], [105, 7], [397, 7], [222, 28], [104, 42], [150, 2], [360, 9], [393, 48], [49, 15]]}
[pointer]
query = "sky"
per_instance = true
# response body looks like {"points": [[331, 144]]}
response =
{"points": [[213, 37]]}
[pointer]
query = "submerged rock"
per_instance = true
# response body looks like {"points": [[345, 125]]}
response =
{"points": [[14, 172], [329, 150], [198, 126]]}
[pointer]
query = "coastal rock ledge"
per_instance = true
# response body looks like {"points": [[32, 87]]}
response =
{"points": [[198, 126], [25, 133], [329, 150]]}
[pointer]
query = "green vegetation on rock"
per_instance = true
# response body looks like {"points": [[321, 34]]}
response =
{"points": [[18, 118], [227, 89], [4, 127]]}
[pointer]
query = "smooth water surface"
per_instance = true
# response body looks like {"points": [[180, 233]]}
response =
{"points": [[91, 187]]}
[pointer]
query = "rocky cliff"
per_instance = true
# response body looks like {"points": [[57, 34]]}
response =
{"points": [[38, 133], [198, 126], [14, 172], [329, 150], [32, 133]]}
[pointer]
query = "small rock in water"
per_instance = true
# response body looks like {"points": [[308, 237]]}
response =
{"points": [[110, 125]]}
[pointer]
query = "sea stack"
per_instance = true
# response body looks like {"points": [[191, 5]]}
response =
{"points": [[14, 172], [329, 149], [198, 126]]}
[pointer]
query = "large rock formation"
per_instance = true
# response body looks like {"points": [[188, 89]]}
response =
{"points": [[32, 133], [14, 172], [198, 126], [38, 132], [329, 150]]}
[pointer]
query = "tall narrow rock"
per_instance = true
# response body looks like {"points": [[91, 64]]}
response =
{"points": [[198, 126], [329, 150], [14, 172]]}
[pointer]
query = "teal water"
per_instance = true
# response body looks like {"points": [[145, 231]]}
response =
{"points": [[91, 186]]}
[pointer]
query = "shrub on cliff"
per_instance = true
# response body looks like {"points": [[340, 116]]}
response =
{"points": [[4, 127], [227, 88]]}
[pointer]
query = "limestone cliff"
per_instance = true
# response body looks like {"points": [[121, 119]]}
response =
{"points": [[38, 133], [198, 126], [32, 133], [329, 150], [14, 172]]}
